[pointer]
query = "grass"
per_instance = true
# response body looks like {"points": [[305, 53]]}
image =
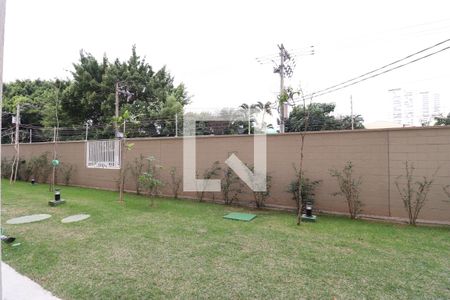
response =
{"points": [[183, 249]]}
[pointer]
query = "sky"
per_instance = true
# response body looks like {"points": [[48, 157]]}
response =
{"points": [[212, 46]]}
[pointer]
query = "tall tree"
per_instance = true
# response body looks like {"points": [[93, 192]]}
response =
{"points": [[251, 112], [443, 120], [85, 97], [320, 118], [38, 99], [91, 95]]}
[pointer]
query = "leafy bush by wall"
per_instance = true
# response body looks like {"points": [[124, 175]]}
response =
{"points": [[175, 182], [349, 188], [414, 194], [308, 187], [40, 167], [6, 167], [66, 171], [231, 186]]}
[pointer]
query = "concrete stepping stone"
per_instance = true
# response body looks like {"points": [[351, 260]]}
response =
{"points": [[75, 218], [28, 219]]}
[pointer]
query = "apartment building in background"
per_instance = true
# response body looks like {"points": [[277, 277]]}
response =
{"points": [[413, 108]]}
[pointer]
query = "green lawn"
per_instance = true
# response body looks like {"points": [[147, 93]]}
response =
{"points": [[183, 249]]}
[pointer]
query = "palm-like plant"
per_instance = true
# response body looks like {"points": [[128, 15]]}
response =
{"points": [[250, 111]]}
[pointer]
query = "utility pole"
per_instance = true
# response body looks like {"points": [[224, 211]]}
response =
{"points": [[121, 136], [15, 164], [249, 119], [2, 35], [17, 123], [52, 186], [87, 132], [17, 141], [31, 135], [121, 148], [120, 88], [121, 171], [351, 112], [283, 107], [117, 107], [285, 67], [176, 124]]}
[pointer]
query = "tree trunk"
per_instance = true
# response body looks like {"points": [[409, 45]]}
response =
{"points": [[300, 177]]}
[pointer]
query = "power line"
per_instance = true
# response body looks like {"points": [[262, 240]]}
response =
{"points": [[389, 34], [385, 66], [362, 77], [384, 72], [296, 52]]}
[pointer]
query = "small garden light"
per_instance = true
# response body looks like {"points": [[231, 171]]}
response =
{"points": [[309, 210], [308, 216], [7, 239], [57, 195], [57, 199]]}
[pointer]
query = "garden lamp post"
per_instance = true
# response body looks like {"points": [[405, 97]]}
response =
{"points": [[309, 210], [57, 199], [308, 215]]}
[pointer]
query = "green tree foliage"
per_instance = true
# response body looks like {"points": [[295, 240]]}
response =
{"points": [[90, 95], [150, 181], [251, 112], [154, 94], [176, 182], [443, 120], [320, 118], [446, 190], [307, 188], [231, 186], [349, 188], [84, 98], [38, 100], [209, 173], [414, 193]]}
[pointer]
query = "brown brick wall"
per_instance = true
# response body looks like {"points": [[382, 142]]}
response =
{"points": [[378, 156]]}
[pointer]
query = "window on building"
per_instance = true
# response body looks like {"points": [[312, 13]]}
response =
{"points": [[103, 154]]}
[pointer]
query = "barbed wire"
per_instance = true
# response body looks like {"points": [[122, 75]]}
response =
{"points": [[147, 128]]}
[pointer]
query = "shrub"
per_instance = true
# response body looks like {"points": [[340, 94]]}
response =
{"points": [[149, 179], [349, 188], [175, 181], [6, 167], [414, 195], [66, 171], [136, 169], [209, 173], [308, 187], [41, 167], [231, 186], [25, 171], [260, 197], [447, 191]]}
